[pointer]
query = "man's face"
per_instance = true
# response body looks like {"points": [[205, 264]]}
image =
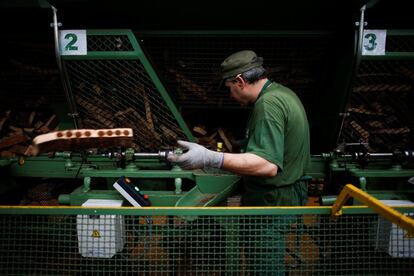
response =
{"points": [[238, 91]]}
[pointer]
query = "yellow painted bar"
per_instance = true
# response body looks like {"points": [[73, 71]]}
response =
{"points": [[387, 212]]}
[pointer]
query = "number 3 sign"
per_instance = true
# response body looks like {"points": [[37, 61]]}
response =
{"points": [[373, 43], [72, 42]]}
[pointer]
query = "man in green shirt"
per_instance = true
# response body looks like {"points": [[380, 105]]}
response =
{"points": [[277, 153], [275, 157]]}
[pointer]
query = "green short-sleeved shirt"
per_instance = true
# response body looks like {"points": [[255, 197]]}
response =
{"points": [[278, 131]]}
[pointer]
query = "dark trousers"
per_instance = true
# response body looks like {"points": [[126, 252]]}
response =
{"points": [[264, 236]]}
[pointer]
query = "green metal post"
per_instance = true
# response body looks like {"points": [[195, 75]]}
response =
{"points": [[160, 87]]}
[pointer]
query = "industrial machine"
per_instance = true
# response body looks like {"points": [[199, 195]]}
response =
{"points": [[129, 94], [356, 83]]}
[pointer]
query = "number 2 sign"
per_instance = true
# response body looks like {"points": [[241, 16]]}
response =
{"points": [[72, 42], [373, 43]]}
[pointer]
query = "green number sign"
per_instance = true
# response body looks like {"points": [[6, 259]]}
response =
{"points": [[72, 42], [373, 43], [70, 46], [370, 39]]}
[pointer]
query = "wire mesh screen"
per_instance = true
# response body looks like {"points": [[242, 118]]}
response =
{"points": [[400, 43], [381, 106], [202, 245], [118, 43], [119, 93], [190, 65]]}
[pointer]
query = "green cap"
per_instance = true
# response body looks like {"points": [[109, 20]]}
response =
{"points": [[240, 62]]}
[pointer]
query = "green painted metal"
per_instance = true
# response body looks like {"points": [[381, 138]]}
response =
{"points": [[381, 172], [400, 32], [66, 165], [317, 168], [41, 166], [209, 186], [104, 55], [5, 162], [208, 190], [79, 196], [105, 167], [137, 173], [391, 56], [213, 183], [189, 211]]}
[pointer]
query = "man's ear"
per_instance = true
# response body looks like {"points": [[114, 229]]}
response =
{"points": [[240, 81]]}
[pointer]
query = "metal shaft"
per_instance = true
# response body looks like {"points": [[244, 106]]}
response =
{"points": [[161, 155], [68, 95], [358, 54]]}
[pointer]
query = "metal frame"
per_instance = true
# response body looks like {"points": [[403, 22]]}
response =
{"points": [[62, 71], [190, 211], [136, 54]]}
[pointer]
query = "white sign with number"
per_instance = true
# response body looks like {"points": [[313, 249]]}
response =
{"points": [[72, 42], [373, 43]]}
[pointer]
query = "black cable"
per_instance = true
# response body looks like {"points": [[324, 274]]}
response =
{"points": [[83, 156]]}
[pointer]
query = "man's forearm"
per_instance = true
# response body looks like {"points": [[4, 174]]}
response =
{"points": [[248, 164]]}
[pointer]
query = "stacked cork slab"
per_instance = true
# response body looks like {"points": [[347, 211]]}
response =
{"points": [[80, 139]]}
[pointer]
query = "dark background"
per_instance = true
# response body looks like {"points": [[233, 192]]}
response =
{"points": [[26, 34]]}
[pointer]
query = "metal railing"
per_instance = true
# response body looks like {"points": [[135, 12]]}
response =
{"points": [[201, 241], [114, 85]]}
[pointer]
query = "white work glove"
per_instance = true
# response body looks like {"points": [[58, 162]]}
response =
{"points": [[197, 157]]}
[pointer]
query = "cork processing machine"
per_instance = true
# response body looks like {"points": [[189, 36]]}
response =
{"points": [[115, 85], [89, 65]]}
